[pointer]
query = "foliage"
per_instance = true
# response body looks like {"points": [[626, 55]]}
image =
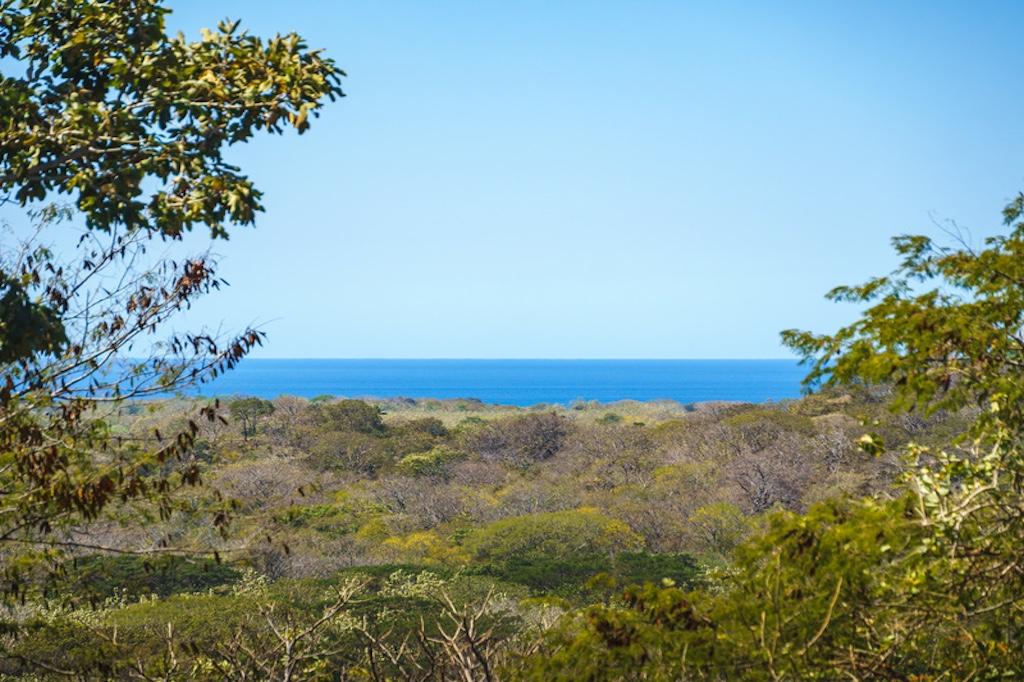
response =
{"points": [[617, 505], [522, 440], [17, 313], [720, 526], [945, 330], [581, 531], [98, 577], [133, 122], [643, 638], [400, 625], [61, 462], [585, 575], [351, 415], [560, 541], [926, 584], [249, 411], [561, 544], [428, 425], [431, 463], [100, 104]]}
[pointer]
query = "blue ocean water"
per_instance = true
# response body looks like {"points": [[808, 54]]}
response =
{"points": [[517, 382]]}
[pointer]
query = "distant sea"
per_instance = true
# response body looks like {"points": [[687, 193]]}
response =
{"points": [[517, 382]]}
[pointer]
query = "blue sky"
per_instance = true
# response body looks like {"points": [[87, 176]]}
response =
{"points": [[633, 179]]}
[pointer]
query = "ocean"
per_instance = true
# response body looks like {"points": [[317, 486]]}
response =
{"points": [[517, 382]]}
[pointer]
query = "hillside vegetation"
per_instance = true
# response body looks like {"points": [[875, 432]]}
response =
{"points": [[404, 514], [870, 531]]}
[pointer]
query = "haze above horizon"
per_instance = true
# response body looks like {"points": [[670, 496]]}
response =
{"points": [[645, 180]]}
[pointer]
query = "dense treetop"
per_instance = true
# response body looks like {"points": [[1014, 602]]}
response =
{"points": [[104, 105]]}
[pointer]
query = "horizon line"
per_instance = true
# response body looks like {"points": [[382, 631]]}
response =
{"points": [[534, 359]]}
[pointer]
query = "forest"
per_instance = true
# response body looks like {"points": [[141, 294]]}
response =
{"points": [[870, 530], [422, 529]]}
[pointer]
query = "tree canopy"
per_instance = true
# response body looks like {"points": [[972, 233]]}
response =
{"points": [[100, 108], [99, 103], [925, 583], [132, 122]]}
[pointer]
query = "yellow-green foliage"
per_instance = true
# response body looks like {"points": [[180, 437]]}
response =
{"points": [[779, 418], [374, 530], [922, 585], [429, 463], [422, 547], [573, 532], [719, 526]]}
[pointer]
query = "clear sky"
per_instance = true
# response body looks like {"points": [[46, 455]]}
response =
{"points": [[631, 179]]}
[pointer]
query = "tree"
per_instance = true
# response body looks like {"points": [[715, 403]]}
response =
{"points": [[352, 415], [19, 314], [946, 331], [132, 122], [521, 440], [249, 411], [924, 583], [719, 527], [534, 536], [399, 626], [61, 464], [100, 104]]}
